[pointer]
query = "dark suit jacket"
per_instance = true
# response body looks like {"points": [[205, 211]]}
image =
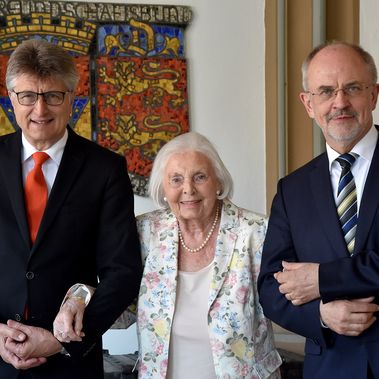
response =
{"points": [[88, 230], [304, 227]]}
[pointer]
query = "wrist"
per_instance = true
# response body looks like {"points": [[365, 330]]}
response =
{"points": [[79, 292]]}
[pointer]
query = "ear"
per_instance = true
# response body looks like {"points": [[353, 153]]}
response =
{"points": [[374, 96], [71, 97], [306, 100]]}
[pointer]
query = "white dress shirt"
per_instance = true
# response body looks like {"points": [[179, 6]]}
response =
{"points": [[365, 149], [50, 167]]}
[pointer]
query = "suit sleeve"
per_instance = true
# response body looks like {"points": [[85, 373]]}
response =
{"points": [[118, 259], [350, 278], [129, 316], [303, 320]]}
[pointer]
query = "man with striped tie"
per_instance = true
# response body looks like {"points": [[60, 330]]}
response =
{"points": [[320, 265]]}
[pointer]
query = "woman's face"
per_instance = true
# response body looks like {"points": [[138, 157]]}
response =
{"points": [[190, 186]]}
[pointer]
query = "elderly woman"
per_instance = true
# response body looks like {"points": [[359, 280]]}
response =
{"points": [[198, 309]]}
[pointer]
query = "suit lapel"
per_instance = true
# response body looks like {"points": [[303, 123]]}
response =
{"points": [[11, 168], [322, 193], [69, 168], [225, 244], [167, 235], [369, 202], [164, 246]]}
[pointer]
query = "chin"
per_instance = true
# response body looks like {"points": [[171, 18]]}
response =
{"points": [[189, 214], [346, 135]]}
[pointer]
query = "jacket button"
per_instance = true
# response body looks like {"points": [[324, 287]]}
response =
{"points": [[17, 317], [30, 275]]}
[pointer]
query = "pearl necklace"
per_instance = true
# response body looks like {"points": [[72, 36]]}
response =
{"points": [[206, 239]]}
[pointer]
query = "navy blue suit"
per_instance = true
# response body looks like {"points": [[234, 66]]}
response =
{"points": [[304, 227]]}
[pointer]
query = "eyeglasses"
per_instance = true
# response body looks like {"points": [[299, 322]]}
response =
{"points": [[329, 93], [50, 98], [177, 181]]}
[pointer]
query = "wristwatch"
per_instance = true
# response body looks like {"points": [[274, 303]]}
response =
{"points": [[65, 352], [78, 291], [81, 291]]}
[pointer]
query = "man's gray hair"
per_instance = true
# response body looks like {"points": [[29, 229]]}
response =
{"points": [[42, 59], [367, 58]]}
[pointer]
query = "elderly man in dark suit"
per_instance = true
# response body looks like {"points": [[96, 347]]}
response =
{"points": [[66, 216], [320, 266]]}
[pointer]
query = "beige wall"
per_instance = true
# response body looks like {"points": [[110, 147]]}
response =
{"points": [[369, 33], [301, 30], [232, 51], [225, 51]]}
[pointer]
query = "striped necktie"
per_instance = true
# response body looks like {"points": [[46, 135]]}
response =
{"points": [[347, 200]]}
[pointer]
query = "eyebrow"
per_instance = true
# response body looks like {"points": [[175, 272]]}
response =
{"points": [[200, 171], [354, 82]]}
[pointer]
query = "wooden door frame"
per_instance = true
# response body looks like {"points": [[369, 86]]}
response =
{"points": [[290, 33]]}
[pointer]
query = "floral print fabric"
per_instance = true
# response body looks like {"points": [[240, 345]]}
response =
{"points": [[241, 337]]}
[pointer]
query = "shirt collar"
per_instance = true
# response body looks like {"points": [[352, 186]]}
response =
{"points": [[55, 152], [364, 148]]}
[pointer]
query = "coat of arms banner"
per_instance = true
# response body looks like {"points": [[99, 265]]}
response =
{"points": [[132, 96]]}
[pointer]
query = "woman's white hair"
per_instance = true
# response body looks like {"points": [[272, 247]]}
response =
{"points": [[191, 141]]}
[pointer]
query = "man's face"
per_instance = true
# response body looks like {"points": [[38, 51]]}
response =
{"points": [[41, 124], [346, 116]]}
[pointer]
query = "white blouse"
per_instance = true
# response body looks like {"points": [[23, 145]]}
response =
{"points": [[190, 354]]}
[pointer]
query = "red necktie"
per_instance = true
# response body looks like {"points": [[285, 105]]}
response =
{"points": [[35, 194]]}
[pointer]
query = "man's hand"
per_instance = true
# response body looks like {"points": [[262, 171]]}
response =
{"points": [[39, 342], [349, 317], [299, 282], [7, 335], [68, 323]]}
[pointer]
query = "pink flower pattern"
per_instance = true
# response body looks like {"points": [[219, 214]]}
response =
{"points": [[152, 279], [241, 337]]}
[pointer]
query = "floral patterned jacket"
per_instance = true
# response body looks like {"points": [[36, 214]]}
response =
{"points": [[241, 337]]}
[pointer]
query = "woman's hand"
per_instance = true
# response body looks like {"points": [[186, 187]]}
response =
{"points": [[68, 323]]}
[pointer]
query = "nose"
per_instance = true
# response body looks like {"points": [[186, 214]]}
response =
{"points": [[40, 105], [341, 99], [188, 186]]}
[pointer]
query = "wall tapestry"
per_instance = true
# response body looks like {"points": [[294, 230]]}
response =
{"points": [[132, 95]]}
